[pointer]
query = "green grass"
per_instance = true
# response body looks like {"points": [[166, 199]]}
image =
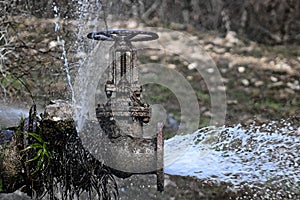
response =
{"points": [[268, 104], [203, 96], [143, 59], [156, 93], [204, 121], [8, 80], [273, 105], [43, 154], [281, 50], [239, 95]]}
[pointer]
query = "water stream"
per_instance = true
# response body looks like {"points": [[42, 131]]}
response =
{"points": [[265, 154], [64, 52], [89, 16]]}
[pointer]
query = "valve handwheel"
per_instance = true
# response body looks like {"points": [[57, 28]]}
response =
{"points": [[150, 150], [127, 35]]}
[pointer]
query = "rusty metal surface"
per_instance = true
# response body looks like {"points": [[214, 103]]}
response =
{"points": [[160, 157], [124, 114]]}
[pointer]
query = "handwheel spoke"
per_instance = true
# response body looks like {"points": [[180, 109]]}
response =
{"points": [[132, 35], [127, 35]]}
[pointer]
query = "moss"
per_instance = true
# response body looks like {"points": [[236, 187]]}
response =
{"points": [[143, 59], [270, 104], [203, 96], [204, 121]]}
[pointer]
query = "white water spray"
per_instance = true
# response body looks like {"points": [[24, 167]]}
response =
{"points": [[266, 154], [88, 12], [64, 52]]}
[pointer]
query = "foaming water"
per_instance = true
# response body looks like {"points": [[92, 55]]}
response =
{"points": [[266, 154]]}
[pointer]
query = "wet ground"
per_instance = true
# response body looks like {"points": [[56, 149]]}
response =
{"points": [[262, 83]]}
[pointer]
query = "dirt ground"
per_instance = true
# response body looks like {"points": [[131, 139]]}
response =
{"points": [[262, 83]]}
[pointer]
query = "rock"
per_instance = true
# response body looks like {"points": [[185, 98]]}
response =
{"points": [[245, 82], [171, 122], [189, 78], [5, 136], [53, 44], [241, 69], [154, 57], [218, 41], [58, 123], [283, 66], [277, 84], [210, 70], [59, 110], [258, 83], [207, 114], [208, 47], [264, 59], [219, 50], [274, 79], [231, 65], [171, 66], [11, 168], [232, 102], [232, 39], [192, 66], [177, 26], [58, 132], [294, 86], [18, 195], [132, 24], [221, 88]]}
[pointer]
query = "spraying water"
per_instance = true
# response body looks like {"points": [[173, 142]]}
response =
{"points": [[265, 155], [260, 156], [89, 14], [64, 52]]}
